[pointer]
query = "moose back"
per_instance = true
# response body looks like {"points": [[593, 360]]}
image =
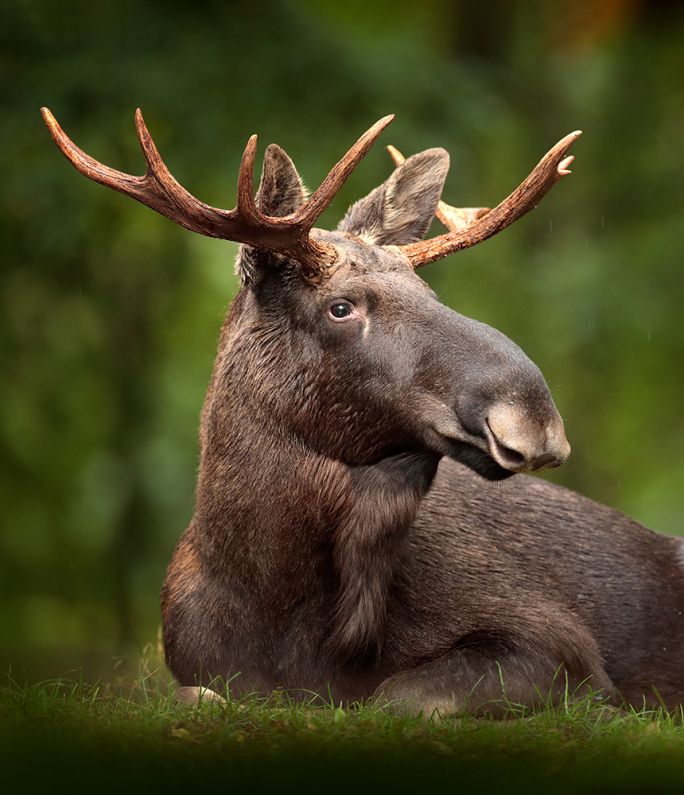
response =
{"points": [[357, 530]]}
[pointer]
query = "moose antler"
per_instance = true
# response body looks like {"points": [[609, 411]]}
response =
{"points": [[288, 235], [471, 225]]}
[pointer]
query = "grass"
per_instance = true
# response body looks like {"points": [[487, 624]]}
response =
{"points": [[130, 735]]}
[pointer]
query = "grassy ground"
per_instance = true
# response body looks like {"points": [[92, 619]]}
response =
{"points": [[130, 735]]}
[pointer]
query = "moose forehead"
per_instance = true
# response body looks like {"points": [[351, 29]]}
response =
{"points": [[361, 264], [378, 280]]}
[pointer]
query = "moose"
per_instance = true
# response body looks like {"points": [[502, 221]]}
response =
{"points": [[364, 525]]}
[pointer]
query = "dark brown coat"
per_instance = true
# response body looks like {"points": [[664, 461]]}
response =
{"points": [[335, 549]]}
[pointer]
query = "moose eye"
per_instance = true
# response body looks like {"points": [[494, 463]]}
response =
{"points": [[340, 310]]}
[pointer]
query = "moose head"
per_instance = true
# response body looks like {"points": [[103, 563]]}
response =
{"points": [[346, 347]]}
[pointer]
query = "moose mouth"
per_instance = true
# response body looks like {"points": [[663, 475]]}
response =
{"points": [[476, 459], [446, 436]]}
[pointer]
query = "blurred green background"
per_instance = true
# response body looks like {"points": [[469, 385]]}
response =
{"points": [[110, 313]]}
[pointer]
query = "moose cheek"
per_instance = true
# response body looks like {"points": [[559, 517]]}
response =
{"points": [[345, 332]]}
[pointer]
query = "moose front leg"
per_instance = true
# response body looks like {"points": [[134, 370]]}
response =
{"points": [[497, 675]]}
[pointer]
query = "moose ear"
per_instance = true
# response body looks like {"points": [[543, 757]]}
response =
{"points": [[281, 192], [400, 210]]}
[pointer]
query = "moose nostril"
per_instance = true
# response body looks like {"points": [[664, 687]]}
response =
{"points": [[514, 442], [507, 454]]}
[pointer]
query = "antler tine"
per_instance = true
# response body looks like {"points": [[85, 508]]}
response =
{"points": [[321, 198], [88, 166], [550, 169], [155, 164], [454, 218], [396, 155], [245, 187]]}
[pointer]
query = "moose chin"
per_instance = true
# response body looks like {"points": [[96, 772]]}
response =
{"points": [[358, 528]]}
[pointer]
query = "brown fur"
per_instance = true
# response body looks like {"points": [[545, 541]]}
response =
{"points": [[334, 546]]}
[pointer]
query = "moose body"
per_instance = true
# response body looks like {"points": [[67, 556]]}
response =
{"points": [[357, 530], [452, 580], [520, 573]]}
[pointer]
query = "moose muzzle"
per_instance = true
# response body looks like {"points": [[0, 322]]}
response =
{"points": [[520, 444], [501, 401]]}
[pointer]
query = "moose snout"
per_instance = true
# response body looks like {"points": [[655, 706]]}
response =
{"points": [[521, 444]]}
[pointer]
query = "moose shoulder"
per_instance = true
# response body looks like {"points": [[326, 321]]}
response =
{"points": [[356, 528]]}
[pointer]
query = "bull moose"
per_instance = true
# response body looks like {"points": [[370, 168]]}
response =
{"points": [[357, 530]]}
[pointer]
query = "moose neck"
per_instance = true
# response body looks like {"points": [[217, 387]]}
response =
{"points": [[256, 478], [287, 518]]}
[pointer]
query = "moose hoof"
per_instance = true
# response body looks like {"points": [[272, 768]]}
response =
{"points": [[192, 696]]}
